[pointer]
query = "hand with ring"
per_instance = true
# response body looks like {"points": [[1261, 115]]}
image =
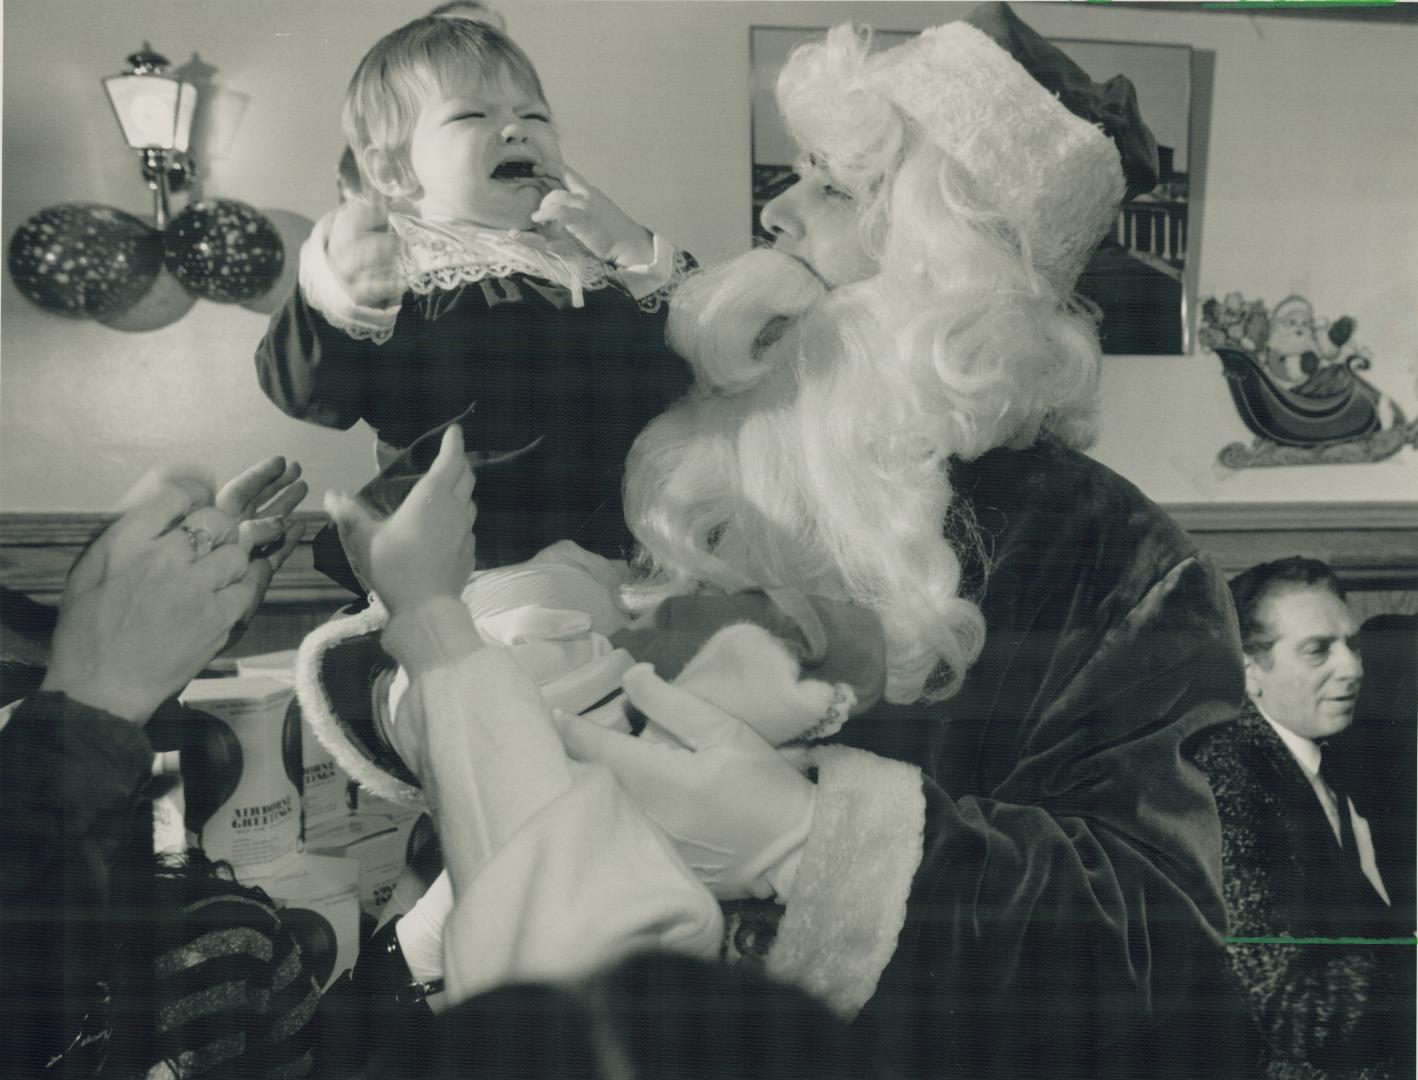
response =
{"points": [[145, 608]]}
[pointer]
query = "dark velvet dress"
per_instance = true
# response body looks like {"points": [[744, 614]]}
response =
{"points": [[574, 384]]}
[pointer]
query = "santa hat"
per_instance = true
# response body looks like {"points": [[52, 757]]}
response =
{"points": [[1112, 105], [1292, 307], [1055, 176]]}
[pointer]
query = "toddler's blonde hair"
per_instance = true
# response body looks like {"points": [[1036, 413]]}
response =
{"points": [[411, 65]]}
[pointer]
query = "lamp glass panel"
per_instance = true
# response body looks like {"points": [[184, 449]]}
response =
{"points": [[186, 107], [147, 108]]}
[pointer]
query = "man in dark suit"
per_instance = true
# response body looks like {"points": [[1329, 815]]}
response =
{"points": [[1298, 855], [1380, 751]]}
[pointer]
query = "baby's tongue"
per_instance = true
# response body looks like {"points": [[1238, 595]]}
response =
{"points": [[514, 170]]}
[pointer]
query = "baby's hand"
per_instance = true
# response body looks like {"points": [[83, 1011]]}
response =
{"points": [[364, 254], [588, 214]]}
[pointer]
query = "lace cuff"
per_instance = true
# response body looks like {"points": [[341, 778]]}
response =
{"points": [[652, 286], [323, 291]]}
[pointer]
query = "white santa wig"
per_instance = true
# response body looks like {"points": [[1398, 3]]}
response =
{"points": [[813, 451]]}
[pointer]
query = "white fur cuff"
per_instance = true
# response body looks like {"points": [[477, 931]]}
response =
{"points": [[848, 901], [316, 710]]}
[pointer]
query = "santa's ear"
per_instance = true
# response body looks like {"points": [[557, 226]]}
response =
{"points": [[388, 173]]}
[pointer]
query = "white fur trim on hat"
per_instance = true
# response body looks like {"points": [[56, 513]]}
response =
{"points": [[1056, 177], [316, 710]]}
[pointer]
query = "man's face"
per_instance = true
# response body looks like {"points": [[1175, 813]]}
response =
{"points": [[482, 153], [817, 222], [1308, 680]]}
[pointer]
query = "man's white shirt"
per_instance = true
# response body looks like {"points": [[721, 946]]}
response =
{"points": [[1307, 755]]}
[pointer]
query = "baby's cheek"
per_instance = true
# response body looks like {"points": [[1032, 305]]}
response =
{"points": [[551, 153]]}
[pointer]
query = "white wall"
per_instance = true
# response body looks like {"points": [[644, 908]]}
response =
{"points": [[1310, 187]]}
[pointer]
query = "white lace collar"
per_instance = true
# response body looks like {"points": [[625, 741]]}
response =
{"points": [[445, 254]]}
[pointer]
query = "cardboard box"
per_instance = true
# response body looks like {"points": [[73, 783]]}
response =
{"points": [[241, 775], [379, 843], [332, 803], [319, 900], [274, 665], [333, 799]]}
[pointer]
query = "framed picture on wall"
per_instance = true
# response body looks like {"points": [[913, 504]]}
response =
{"points": [[1143, 275]]}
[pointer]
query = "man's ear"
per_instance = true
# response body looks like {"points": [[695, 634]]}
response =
{"points": [[1253, 669], [388, 173]]}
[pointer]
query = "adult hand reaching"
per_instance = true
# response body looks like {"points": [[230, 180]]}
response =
{"points": [[156, 596], [426, 547], [250, 512], [258, 502], [736, 810]]}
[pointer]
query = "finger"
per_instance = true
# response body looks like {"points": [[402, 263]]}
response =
{"points": [[450, 464], [463, 487], [260, 532], [178, 548], [349, 515], [277, 558], [247, 489], [209, 528], [222, 567], [286, 502], [277, 488], [240, 598], [552, 206], [155, 515], [574, 181], [688, 717], [625, 755]]}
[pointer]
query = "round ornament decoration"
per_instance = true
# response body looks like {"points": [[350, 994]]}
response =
{"points": [[84, 260], [224, 250]]}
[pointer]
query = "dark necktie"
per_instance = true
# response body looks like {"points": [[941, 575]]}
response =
{"points": [[1330, 775]]}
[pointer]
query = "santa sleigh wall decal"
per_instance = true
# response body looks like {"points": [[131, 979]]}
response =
{"points": [[1297, 386]]}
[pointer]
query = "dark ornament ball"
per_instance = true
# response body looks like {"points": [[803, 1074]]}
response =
{"points": [[224, 250], [85, 260]]}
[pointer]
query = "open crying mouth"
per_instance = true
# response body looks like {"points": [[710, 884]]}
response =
{"points": [[514, 169]]}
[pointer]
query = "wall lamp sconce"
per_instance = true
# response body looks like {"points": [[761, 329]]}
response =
{"points": [[155, 111], [86, 260]]}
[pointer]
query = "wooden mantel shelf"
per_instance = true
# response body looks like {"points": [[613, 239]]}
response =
{"points": [[1372, 545]]}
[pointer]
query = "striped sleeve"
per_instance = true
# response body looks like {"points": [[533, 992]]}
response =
{"points": [[233, 991]]}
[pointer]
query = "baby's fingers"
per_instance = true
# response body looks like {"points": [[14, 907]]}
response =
{"points": [[554, 205], [574, 181]]}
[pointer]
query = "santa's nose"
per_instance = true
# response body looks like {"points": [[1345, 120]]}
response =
{"points": [[780, 219]]}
